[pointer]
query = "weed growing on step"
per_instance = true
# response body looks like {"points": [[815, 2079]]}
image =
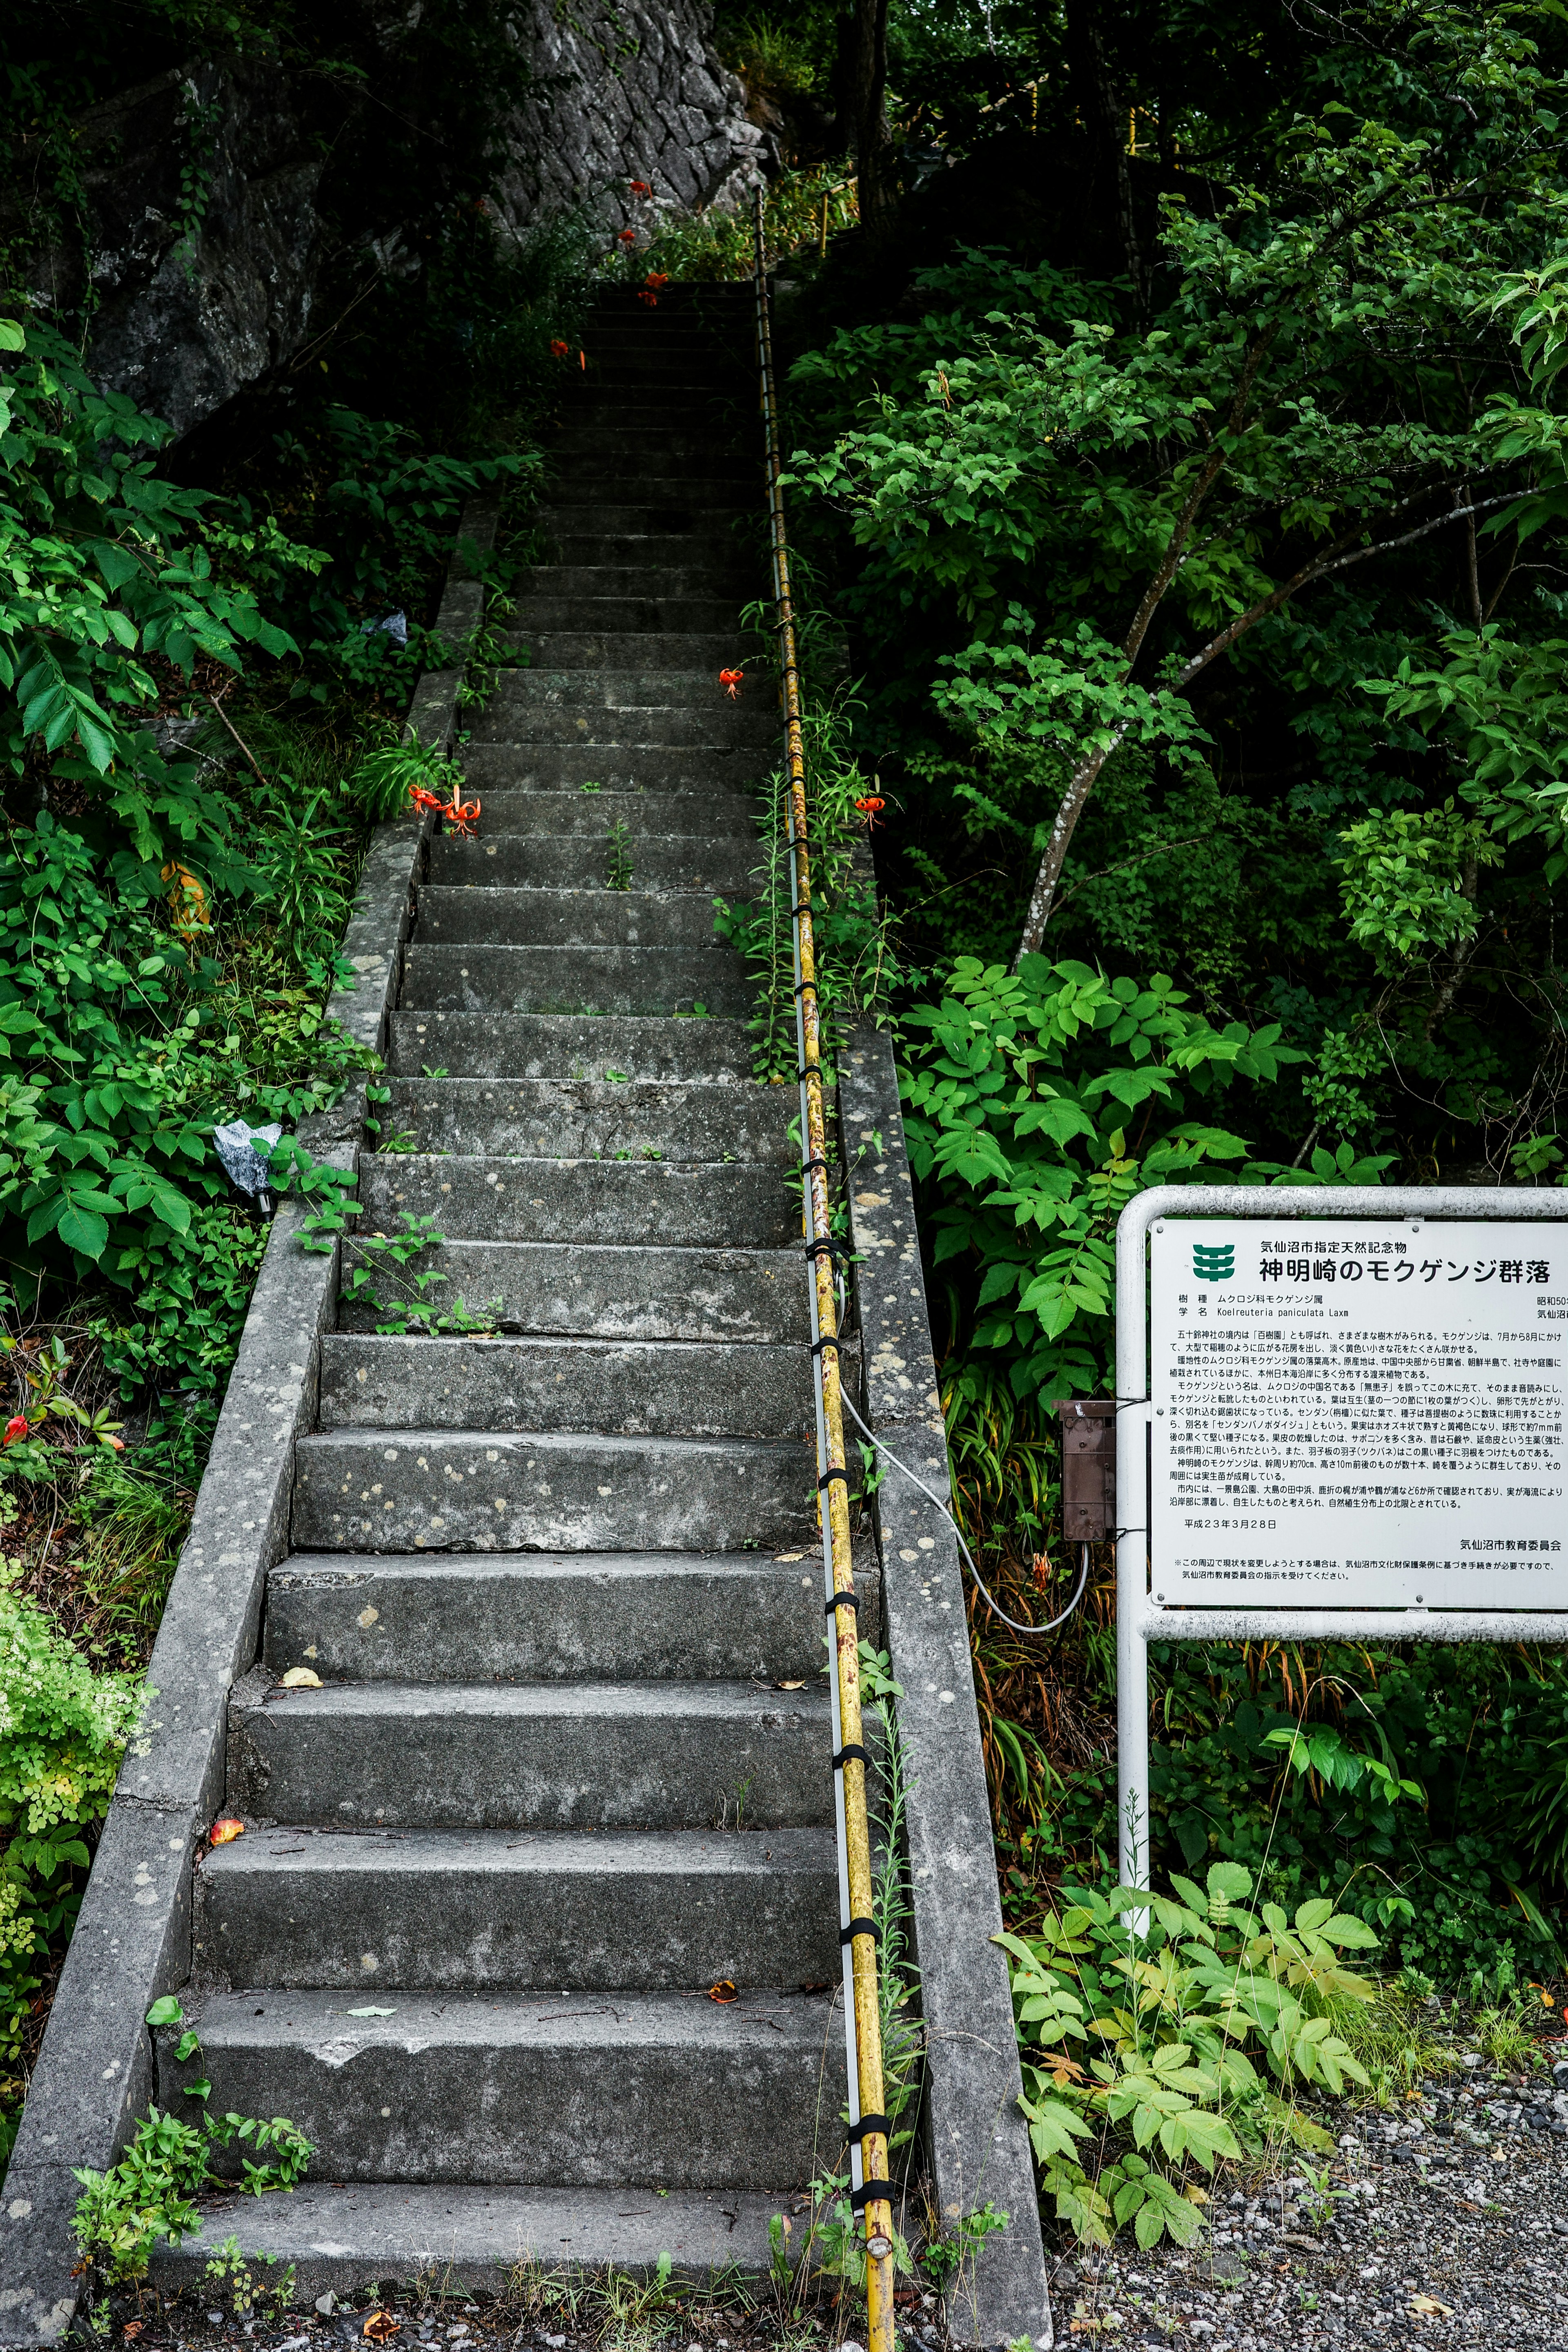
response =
{"points": [[857, 962], [150, 2194], [619, 875]]}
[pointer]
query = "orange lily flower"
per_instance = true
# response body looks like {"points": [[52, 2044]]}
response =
{"points": [[871, 808], [557, 350], [641, 188], [732, 680], [187, 901], [651, 299]]}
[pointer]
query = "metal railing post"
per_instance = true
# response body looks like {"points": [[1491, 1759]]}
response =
{"points": [[870, 2191]]}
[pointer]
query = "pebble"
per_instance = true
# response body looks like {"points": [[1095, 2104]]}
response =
{"points": [[1446, 2231]]}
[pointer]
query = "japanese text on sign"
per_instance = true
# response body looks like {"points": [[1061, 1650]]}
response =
{"points": [[1358, 1416]]}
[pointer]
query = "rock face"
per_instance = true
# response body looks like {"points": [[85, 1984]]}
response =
{"points": [[630, 92], [218, 193]]}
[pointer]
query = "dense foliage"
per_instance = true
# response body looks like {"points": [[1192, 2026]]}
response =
{"points": [[1196, 501]]}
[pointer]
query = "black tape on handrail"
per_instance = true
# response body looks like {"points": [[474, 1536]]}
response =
{"points": [[860, 1928], [871, 2192], [828, 1475], [841, 1601], [867, 2125], [851, 1749]]}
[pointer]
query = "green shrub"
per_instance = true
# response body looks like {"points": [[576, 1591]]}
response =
{"points": [[63, 1731], [1183, 2010]]}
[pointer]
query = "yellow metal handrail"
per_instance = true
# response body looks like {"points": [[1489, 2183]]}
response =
{"points": [[870, 2189]]}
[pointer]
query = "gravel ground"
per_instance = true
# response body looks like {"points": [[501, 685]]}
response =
{"points": [[1449, 2226]]}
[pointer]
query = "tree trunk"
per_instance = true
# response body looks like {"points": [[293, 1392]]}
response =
{"points": [[860, 91], [1109, 194]]}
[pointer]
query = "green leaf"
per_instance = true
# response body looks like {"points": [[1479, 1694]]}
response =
{"points": [[165, 2009]]}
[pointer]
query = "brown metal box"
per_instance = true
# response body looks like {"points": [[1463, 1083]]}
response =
{"points": [[1088, 1468]]}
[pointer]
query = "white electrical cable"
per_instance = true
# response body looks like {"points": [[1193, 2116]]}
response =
{"points": [[991, 1602]]}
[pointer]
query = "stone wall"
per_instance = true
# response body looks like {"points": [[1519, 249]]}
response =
{"points": [[630, 92], [216, 203]]}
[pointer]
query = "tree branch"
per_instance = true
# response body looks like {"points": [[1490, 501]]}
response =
{"points": [[1084, 777]]}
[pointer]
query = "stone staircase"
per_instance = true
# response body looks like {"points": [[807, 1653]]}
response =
{"points": [[567, 1766]]}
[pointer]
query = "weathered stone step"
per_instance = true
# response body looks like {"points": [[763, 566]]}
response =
{"points": [[566, 520], [553, 1616], [547, 717], [576, 980], [566, 1046], [727, 781], [578, 856], [625, 1388], [669, 615], [676, 584], [349, 2237], [651, 816], [656, 554], [597, 1290], [633, 694], [521, 1756], [589, 480], [669, 1202], [494, 916], [448, 1490], [624, 1910], [591, 1119], [649, 653], [630, 441], [579, 2093]]}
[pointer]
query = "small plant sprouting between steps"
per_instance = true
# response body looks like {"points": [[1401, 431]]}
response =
{"points": [[151, 2193], [371, 1260], [618, 877], [1175, 2003]]}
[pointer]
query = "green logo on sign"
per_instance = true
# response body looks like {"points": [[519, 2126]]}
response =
{"points": [[1214, 1265]]}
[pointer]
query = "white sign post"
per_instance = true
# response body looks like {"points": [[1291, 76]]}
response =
{"points": [[1355, 1426]]}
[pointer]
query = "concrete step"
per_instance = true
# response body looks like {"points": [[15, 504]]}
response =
{"points": [[535, 721], [587, 812], [674, 584], [667, 615], [625, 1388], [564, 520], [714, 556], [648, 652], [493, 2089], [553, 1616], [595, 1290], [631, 441], [566, 1046], [464, 1911], [586, 480], [576, 980], [455, 1490], [669, 1204], [578, 856], [633, 694], [727, 780], [591, 1119], [535, 1756], [498, 917], [350, 2238]]}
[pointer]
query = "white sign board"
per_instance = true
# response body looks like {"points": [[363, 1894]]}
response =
{"points": [[1358, 1416]]}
